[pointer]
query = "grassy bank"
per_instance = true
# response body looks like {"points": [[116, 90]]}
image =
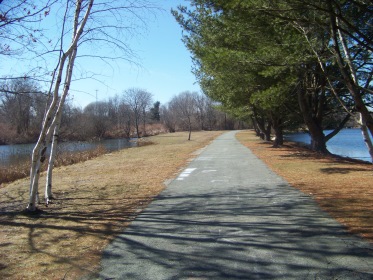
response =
{"points": [[341, 187], [22, 170], [95, 200]]}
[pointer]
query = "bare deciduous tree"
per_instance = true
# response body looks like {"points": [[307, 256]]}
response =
{"points": [[138, 100], [201, 109], [22, 105], [169, 117], [190, 110], [185, 105], [17, 28]]}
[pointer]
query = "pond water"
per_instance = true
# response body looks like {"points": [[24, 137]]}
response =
{"points": [[348, 143], [13, 154]]}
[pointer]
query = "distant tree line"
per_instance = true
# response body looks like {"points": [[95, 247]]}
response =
{"points": [[190, 111], [130, 114]]}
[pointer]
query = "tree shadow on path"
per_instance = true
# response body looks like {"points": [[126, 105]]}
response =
{"points": [[240, 233]]}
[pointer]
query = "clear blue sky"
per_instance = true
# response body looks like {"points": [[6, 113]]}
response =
{"points": [[165, 62], [162, 64]]}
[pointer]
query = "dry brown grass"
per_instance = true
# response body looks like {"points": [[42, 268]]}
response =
{"points": [[342, 188], [95, 200], [22, 169]]}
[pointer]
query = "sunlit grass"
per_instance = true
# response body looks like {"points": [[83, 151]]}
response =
{"points": [[95, 200], [342, 188], [22, 169], [14, 172]]}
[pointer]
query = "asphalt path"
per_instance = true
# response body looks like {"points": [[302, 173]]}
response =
{"points": [[227, 216]]}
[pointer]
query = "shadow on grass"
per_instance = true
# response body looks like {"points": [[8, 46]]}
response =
{"points": [[301, 151], [341, 170], [69, 219], [120, 214]]}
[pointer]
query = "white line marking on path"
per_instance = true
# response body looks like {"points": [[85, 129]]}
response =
{"points": [[185, 173], [215, 181]]}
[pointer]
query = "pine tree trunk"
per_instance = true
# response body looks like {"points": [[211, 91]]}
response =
{"points": [[260, 124], [267, 132], [279, 136], [256, 128], [318, 142]]}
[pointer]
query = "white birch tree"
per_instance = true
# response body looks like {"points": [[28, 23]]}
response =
{"points": [[53, 114], [93, 21]]}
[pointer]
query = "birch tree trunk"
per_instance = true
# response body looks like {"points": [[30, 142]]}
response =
{"points": [[366, 136], [48, 188], [57, 120], [38, 153], [51, 118], [349, 74], [58, 115]]}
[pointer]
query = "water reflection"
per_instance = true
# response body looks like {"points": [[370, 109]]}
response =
{"points": [[348, 143], [14, 154]]}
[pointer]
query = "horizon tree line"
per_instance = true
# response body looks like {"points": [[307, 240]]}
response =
{"points": [[131, 114]]}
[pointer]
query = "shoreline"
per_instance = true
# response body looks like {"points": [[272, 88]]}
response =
{"points": [[348, 143]]}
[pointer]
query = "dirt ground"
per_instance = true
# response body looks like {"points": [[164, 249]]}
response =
{"points": [[341, 187]]}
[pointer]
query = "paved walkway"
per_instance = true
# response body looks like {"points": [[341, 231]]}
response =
{"points": [[227, 216]]}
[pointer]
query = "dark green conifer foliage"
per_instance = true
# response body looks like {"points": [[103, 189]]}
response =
{"points": [[274, 59]]}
